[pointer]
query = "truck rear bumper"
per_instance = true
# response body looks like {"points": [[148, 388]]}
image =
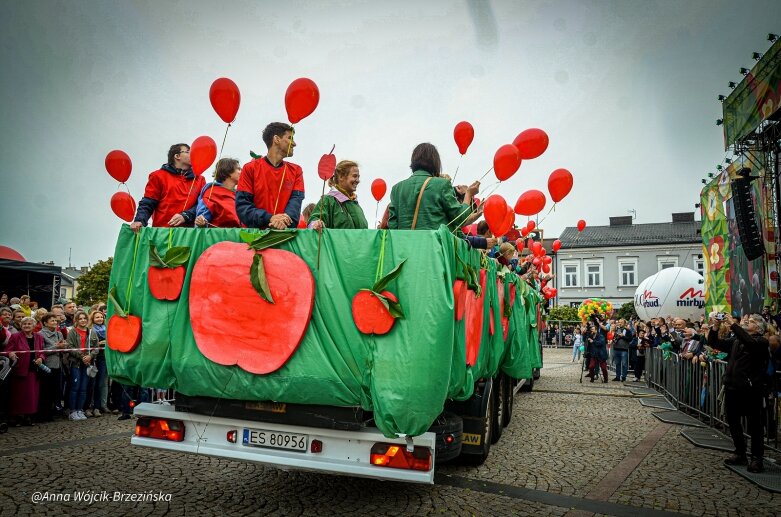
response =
{"points": [[343, 452]]}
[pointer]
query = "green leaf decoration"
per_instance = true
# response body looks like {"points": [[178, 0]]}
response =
{"points": [[394, 308], [155, 259], [383, 282], [269, 239], [247, 236], [112, 297], [257, 276], [177, 256]]}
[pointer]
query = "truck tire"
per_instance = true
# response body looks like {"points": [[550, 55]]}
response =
{"points": [[499, 395], [528, 385], [447, 424], [509, 399], [479, 459]]}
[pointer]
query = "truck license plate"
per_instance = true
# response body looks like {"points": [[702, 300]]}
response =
{"points": [[276, 439]]}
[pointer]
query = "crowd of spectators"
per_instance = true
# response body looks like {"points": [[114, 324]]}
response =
{"points": [[52, 364]]}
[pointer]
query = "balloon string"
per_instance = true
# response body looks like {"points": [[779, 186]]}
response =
{"points": [[223, 141], [376, 211], [486, 174], [546, 215], [126, 187], [455, 174], [129, 291]]}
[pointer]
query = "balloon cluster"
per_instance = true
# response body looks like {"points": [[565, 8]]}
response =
{"points": [[592, 306]]}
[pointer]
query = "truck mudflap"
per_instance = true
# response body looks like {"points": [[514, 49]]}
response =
{"points": [[289, 447]]}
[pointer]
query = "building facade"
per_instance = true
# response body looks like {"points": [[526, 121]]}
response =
{"points": [[610, 261]]}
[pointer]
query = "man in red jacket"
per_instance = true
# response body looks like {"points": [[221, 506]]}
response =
{"points": [[171, 192], [271, 190]]}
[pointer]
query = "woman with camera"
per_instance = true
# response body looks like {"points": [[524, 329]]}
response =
{"points": [[596, 337]]}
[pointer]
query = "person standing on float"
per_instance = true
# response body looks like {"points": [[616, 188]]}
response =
{"points": [[271, 190], [171, 192]]}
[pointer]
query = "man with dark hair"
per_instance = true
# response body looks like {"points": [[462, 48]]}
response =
{"points": [[171, 192], [271, 190]]}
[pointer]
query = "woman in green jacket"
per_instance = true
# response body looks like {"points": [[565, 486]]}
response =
{"points": [[339, 208], [438, 204]]}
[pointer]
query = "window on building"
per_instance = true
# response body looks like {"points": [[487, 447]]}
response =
{"points": [[571, 273], [627, 271], [593, 273], [63, 292], [699, 265], [665, 262]]}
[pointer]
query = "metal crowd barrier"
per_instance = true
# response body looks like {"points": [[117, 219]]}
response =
{"points": [[694, 389]]}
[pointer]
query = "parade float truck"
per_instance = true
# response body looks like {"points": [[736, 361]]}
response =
{"points": [[358, 352]]}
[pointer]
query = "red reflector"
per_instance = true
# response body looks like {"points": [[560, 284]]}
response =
{"points": [[132, 404], [449, 438], [398, 457], [316, 446], [160, 428], [231, 437]]}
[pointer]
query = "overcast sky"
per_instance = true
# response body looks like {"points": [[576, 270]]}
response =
{"points": [[625, 89]]}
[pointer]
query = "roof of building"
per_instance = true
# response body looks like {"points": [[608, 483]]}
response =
{"points": [[631, 235]]}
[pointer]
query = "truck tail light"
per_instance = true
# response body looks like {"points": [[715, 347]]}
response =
{"points": [[232, 435], [160, 428], [398, 457], [316, 446]]}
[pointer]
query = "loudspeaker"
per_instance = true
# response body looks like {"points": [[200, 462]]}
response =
{"points": [[750, 236]]}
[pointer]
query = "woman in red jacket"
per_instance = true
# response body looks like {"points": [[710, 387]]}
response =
{"points": [[217, 201], [24, 376]]}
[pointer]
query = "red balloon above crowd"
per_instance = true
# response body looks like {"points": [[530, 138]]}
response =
{"points": [[301, 99], [463, 134], [118, 165], [225, 98]]}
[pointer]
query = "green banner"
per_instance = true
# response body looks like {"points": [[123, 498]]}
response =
{"points": [[404, 376], [755, 99]]}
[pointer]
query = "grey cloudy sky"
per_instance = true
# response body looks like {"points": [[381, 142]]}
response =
{"points": [[625, 89]]}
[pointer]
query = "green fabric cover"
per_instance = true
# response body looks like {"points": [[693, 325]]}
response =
{"points": [[437, 206], [347, 215], [405, 376]]}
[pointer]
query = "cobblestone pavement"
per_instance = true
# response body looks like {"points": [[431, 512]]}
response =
{"points": [[571, 449]]}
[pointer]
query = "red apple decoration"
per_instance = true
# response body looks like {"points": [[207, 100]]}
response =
{"points": [[474, 323], [166, 274], [258, 335], [369, 313], [123, 331], [459, 297]]}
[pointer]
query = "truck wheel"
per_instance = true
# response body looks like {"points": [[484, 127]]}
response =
{"points": [[497, 418], [509, 399], [479, 459], [528, 385]]}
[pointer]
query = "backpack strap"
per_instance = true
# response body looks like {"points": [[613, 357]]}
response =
{"points": [[417, 205]]}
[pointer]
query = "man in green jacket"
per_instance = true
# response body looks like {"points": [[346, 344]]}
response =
{"points": [[438, 204]]}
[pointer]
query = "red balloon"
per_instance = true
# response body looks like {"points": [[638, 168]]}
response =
{"points": [[529, 243], [379, 188], [124, 206], [202, 154], [506, 162], [118, 165], [507, 222], [546, 270], [476, 200], [463, 134], [530, 203], [556, 245], [581, 225], [519, 245], [546, 259], [543, 252], [536, 248], [326, 166], [531, 143], [11, 254], [495, 212], [301, 222], [536, 261], [301, 99], [225, 98], [559, 184], [530, 226], [470, 229], [524, 231]]}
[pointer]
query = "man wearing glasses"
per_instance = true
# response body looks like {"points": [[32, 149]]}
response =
{"points": [[171, 192]]}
